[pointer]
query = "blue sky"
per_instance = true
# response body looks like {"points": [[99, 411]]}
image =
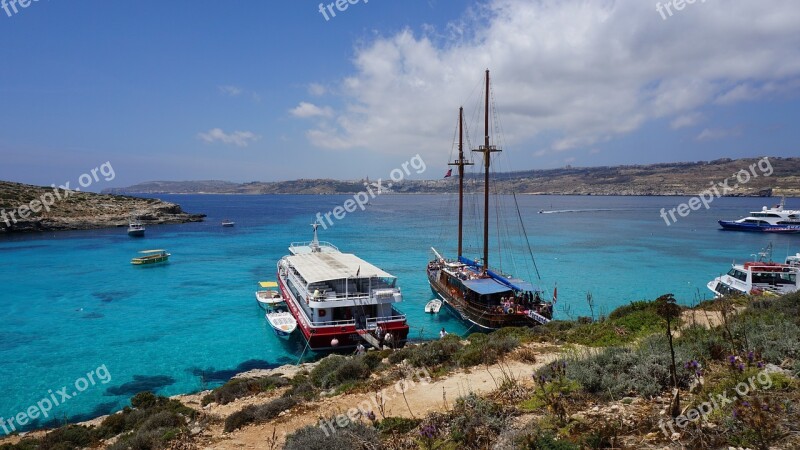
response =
{"points": [[263, 91]]}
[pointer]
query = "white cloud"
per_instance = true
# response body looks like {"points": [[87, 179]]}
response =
{"points": [[237, 138], [715, 134], [316, 89], [686, 120], [305, 110], [236, 91], [568, 73], [232, 91]]}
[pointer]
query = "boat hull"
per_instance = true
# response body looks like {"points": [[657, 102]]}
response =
{"points": [[136, 233], [477, 317], [739, 226]]}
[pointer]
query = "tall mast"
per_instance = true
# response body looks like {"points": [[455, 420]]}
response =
{"points": [[460, 162], [487, 151]]}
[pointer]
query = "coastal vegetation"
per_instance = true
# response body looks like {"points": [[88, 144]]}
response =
{"points": [[590, 384]]}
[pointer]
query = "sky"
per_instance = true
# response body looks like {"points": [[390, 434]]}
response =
{"points": [[267, 91]]}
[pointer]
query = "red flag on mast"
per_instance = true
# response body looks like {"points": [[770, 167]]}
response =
{"points": [[449, 173]]}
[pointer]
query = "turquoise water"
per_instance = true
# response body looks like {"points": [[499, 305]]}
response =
{"points": [[71, 302]]}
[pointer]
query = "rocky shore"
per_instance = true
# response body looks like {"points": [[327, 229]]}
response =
{"points": [[26, 208]]}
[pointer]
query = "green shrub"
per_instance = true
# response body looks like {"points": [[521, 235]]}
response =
{"points": [[355, 436], [400, 425], [240, 388], [336, 370], [436, 352], [144, 400], [258, 413], [476, 422]]}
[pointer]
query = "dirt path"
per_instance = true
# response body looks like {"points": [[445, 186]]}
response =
{"points": [[422, 399]]}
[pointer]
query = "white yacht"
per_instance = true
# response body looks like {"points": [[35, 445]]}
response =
{"points": [[776, 220], [339, 299], [759, 277]]}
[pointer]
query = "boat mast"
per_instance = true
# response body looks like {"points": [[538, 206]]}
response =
{"points": [[460, 162], [487, 151]]}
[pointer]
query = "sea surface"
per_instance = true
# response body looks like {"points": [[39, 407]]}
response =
{"points": [[70, 302]]}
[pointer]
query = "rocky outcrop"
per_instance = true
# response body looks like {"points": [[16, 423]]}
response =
{"points": [[26, 208]]}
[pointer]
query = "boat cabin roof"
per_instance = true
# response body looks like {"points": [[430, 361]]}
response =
{"points": [[486, 286], [151, 251], [318, 267]]}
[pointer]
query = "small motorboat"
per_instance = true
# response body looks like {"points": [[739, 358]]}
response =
{"points": [[228, 223], [433, 306], [270, 297], [282, 323], [135, 228], [151, 257]]}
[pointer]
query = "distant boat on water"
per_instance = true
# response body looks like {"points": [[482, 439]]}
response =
{"points": [[151, 257], [135, 228], [228, 223], [770, 220], [481, 296]]}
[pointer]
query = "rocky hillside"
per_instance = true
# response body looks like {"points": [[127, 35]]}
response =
{"points": [[774, 176], [26, 208]]}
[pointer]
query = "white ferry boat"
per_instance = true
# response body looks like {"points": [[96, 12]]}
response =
{"points": [[775, 220], [339, 299], [759, 277]]}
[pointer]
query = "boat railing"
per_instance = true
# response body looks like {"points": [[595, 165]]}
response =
{"points": [[337, 323], [309, 244], [373, 322]]}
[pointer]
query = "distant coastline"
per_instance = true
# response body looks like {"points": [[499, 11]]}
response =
{"points": [[667, 179]]}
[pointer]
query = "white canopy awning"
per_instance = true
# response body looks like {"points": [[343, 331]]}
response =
{"points": [[317, 267]]}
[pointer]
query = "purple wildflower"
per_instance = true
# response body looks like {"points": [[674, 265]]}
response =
{"points": [[750, 356], [732, 359], [740, 367], [760, 365], [428, 432]]}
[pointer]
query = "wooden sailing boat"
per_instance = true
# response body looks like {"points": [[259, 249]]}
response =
{"points": [[480, 296]]}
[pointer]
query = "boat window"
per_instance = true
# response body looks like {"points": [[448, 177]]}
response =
{"points": [[738, 274]]}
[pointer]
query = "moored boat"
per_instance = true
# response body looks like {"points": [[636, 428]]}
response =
{"points": [[339, 299], [478, 295], [772, 220], [269, 297], [282, 323], [433, 306], [228, 223], [151, 257], [759, 277]]}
